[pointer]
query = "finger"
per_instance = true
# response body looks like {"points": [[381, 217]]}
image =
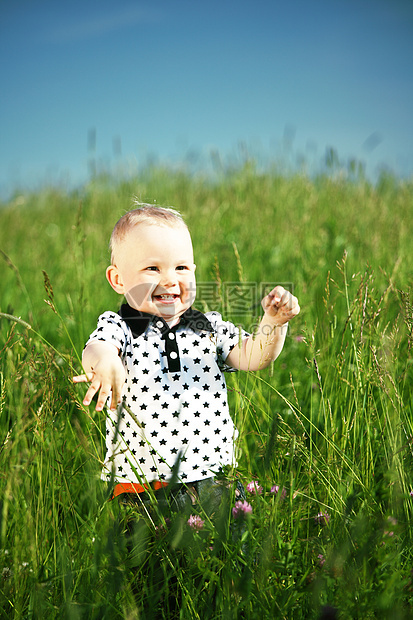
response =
{"points": [[271, 300], [116, 395], [83, 378], [276, 294], [104, 394], [288, 301], [93, 388]]}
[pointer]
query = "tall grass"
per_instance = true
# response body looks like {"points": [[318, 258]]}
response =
{"points": [[330, 424]]}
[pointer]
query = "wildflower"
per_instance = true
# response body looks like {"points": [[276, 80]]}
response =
{"points": [[411, 493], [241, 509], [391, 521], [322, 518], [321, 560], [254, 488], [195, 522], [275, 489], [299, 338]]}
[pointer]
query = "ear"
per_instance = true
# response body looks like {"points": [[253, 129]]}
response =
{"points": [[115, 279]]}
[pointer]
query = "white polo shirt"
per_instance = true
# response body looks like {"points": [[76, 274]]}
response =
{"points": [[176, 419]]}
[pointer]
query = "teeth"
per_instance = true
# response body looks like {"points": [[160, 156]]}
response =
{"points": [[167, 296]]}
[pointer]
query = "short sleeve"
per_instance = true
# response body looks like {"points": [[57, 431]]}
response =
{"points": [[111, 329], [227, 336]]}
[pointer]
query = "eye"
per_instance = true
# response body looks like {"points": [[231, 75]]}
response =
{"points": [[182, 268], [151, 268]]}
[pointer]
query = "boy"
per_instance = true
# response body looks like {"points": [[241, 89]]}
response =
{"points": [[162, 361]]}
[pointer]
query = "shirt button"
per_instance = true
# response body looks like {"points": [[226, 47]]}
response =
{"points": [[159, 324], [171, 335], [173, 355]]}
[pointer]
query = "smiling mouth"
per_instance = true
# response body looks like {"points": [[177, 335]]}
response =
{"points": [[166, 298]]}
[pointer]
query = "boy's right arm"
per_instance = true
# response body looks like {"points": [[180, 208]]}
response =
{"points": [[104, 368]]}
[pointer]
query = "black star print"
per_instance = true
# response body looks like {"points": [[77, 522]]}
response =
{"points": [[145, 395]]}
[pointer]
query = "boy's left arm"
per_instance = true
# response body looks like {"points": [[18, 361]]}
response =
{"points": [[260, 349]]}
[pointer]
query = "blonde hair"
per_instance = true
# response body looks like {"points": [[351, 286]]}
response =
{"points": [[143, 214]]}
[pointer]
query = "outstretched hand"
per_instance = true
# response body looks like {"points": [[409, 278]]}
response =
{"points": [[107, 378], [280, 305]]}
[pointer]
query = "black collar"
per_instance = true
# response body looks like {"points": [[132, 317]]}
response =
{"points": [[139, 321]]}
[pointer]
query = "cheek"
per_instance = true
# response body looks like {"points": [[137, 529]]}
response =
{"points": [[190, 289], [140, 293]]}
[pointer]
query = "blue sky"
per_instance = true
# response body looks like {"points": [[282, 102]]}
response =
{"points": [[125, 81]]}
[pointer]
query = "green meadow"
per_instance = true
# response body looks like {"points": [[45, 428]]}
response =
{"points": [[330, 424]]}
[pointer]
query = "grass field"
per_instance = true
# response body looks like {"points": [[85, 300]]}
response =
{"points": [[330, 424]]}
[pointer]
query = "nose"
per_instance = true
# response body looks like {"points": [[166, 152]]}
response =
{"points": [[168, 278]]}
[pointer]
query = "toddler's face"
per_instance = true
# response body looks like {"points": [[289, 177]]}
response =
{"points": [[155, 270]]}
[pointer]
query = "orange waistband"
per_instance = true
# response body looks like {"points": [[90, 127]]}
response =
{"points": [[135, 487]]}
